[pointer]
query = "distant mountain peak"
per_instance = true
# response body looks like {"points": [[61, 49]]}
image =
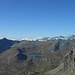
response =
{"points": [[4, 38]]}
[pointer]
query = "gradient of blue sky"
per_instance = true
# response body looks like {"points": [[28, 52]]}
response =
{"points": [[36, 18]]}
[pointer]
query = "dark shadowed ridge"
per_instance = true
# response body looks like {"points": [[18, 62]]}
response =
{"points": [[6, 44]]}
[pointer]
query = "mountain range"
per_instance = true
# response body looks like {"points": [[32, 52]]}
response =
{"points": [[43, 38], [42, 56]]}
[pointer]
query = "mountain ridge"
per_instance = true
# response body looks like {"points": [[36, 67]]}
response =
{"points": [[43, 38], [50, 57]]}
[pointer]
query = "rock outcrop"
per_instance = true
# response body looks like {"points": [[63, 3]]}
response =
{"points": [[66, 67]]}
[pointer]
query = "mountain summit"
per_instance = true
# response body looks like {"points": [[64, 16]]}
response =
{"points": [[6, 44]]}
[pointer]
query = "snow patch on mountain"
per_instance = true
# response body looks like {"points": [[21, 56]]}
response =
{"points": [[72, 37]]}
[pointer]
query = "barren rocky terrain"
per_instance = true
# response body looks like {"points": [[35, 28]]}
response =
{"points": [[50, 57]]}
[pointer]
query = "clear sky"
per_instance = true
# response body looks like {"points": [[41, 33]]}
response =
{"points": [[36, 18]]}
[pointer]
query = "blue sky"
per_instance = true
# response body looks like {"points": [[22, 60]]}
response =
{"points": [[36, 18]]}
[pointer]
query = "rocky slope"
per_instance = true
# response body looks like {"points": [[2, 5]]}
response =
{"points": [[66, 67], [51, 57]]}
